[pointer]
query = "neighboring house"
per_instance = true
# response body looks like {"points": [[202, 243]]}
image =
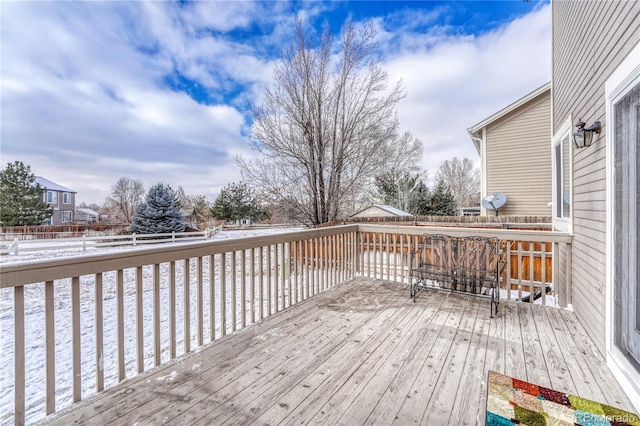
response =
{"points": [[380, 210], [62, 199], [85, 216], [515, 158], [596, 190]]}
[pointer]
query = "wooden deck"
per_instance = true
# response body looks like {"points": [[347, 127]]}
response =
{"points": [[363, 353]]}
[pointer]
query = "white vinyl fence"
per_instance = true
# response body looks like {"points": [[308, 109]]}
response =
{"points": [[20, 246]]}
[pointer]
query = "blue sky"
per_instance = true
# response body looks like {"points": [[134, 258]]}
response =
{"points": [[162, 91]]}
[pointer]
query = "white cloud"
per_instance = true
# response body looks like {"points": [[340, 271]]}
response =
{"points": [[458, 81], [85, 98]]}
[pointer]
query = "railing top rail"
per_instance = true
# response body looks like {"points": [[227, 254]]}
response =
{"points": [[72, 266], [503, 234]]}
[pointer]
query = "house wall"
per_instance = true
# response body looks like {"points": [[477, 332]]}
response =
{"points": [[59, 207], [590, 39], [518, 159]]}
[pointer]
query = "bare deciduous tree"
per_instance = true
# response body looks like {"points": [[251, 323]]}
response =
{"points": [[400, 173], [462, 179], [125, 196], [325, 124]]}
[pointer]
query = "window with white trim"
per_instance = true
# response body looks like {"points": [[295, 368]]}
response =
{"points": [[52, 197], [67, 216], [562, 178], [66, 198]]}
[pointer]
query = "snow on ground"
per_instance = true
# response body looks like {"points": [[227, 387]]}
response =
{"points": [[35, 324]]}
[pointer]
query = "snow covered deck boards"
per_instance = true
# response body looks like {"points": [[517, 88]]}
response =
{"points": [[362, 353]]}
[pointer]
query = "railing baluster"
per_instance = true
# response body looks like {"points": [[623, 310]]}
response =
{"points": [[172, 310], [19, 355], [234, 283], [508, 270], [120, 322], [223, 294], [331, 260], [543, 271], [200, 301], [338, 254], [316, 262], [269, 269], [395, 258], [296, 282], [277, 287], [387, 238], [50, 341], [139, 319], [261, 292], [243, 288], [531, 269], [186, 287], [402, 259], [99, 333], [520, 271], [289, 277], [325, 263], [212, 298], [77, 354], [369, 255], [157, 351], [252, 283], [283, 278], [305, 266]]}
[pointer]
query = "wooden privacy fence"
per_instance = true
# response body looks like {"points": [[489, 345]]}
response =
{"points": [[97, 320], [57, 231]]}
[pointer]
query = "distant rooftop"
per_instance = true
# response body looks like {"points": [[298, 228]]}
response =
{"points": [[391, 210], [52, 186], [87, 211]]}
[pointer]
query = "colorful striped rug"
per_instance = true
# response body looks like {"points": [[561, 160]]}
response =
{"points": [[512, 401]]}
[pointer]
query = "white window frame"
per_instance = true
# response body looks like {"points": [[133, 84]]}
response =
{"points": [[52, 197], [68, 213], [562, 223], [66, 198], [620, 82]]}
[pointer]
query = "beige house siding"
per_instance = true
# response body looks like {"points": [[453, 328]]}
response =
{"points": [[590, 39], [518, 159]]}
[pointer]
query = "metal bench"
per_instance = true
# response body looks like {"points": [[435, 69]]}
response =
{"points": [[467, 264]]}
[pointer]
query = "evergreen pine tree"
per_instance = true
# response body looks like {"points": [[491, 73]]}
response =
{"points": [[237, 201], [158, 213], [443, 201], [21, 200], [421, 200]]}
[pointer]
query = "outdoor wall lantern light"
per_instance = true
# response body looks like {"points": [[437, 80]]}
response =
{"points": [[583, 136]]}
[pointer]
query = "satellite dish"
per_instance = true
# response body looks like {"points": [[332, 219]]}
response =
{"points": [[494, 201]]}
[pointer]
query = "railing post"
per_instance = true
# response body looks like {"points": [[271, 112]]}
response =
{"points": [[173, 236], [134, 239], [562, 283], [84, 243], [15, 245]]}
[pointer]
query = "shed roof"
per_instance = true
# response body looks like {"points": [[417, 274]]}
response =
{"points": [[87, 211], [392, 210]]}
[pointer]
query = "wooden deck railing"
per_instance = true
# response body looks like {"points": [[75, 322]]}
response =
{"points": [[532, 257], [131, 311]]}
